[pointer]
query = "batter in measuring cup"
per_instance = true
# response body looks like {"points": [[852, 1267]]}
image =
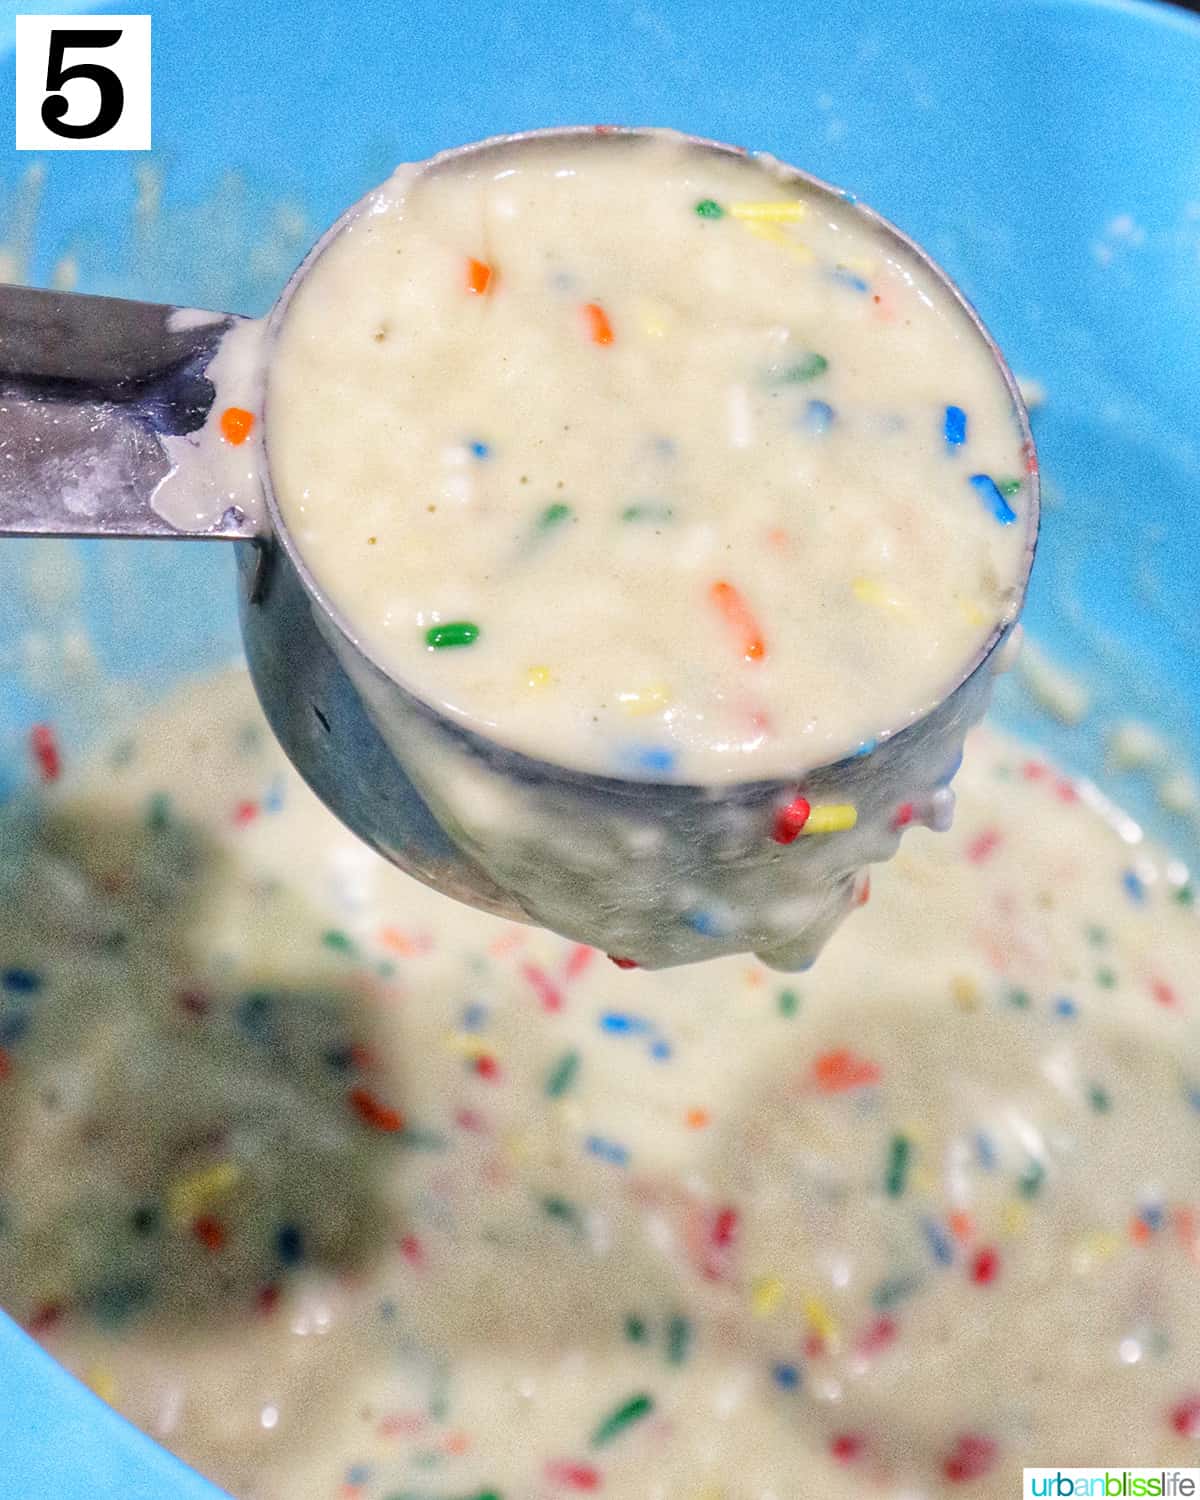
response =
{"points": [[657, 465]]}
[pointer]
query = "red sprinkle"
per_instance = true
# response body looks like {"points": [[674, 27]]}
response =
{"points": [[838, 1071], [268, 1300], [623, 963], [740, 617], [814, 1346], [985, 1266], [479, 276], [1031, 459], [194, 1002], [863, 894], [236, 423], [972, 1457], [543, 986], [1066, 791], [371, 1112], [722, 1237], [412, 1250], [573, 1476], [580, 957], [599, 328], [847, 1446], [45, 1317], [790, 820], [245, 812], [984, 845], [878, 1336], [1164, 993], [210, 1232], [472, 1120], [1034, 770], [1185, 1418], [46, 754], [487, 1067], [903, 815]]}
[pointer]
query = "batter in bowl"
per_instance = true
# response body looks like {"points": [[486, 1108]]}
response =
{"points": [[346, 1192]]}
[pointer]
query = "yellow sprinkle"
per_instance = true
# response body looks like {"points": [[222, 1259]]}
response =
{"points": [[776, 236], [645, 700], [653, 317], [971, 612], [537, 677], [766, 1295], [922, 1179], [103, 1382], [468, 1044], [777, 211], [820, 1319], [516, 1146], [1094, 1249], [834, 817], [1013, 1217], [187, 1197], [867, 591], [965, 992]]}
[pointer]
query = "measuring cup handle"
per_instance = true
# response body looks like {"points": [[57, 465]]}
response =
{"points": [[90, 390]]}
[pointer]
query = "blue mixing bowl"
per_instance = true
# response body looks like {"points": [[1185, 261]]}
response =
{"points": [[1039, 148]]}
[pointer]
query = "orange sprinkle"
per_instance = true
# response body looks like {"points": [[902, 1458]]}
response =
{"points": [[697, 1119], [210, 1232], [236, 423], [962, 1226], [777, 538], [840, 1070], [740, 617], [598, 325], [398, 942], [1164, 993], [1140, 1232], [457, 1442], [371, 1112], [479, 276]]}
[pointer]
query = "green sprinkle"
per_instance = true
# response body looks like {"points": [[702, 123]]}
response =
{"points": [[647, 513], [899, 1155], [1106, 979], [1185, 895], [894, 1289], [635, 1329], [553, 515], [1019, 999], [562, 1075], [1029, 1184], [709, 208], [1099, 1098], [158, 812], [122, 754], [621, 1417], [788, 1002], [337, 940], [809, 368], [416, 1139], [562, 1210], [1097, 935], [679, 1340], [455, 633], [1009, 487]]}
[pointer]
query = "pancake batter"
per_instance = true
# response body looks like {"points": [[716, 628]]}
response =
{"points": [[345, 1192]]}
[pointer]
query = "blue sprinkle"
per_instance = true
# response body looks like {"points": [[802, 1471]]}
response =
{"points": [[660, 1051], [664, 447], [786, 1377], [13, 1028], [1064, 1006], [479, 450], [819, 416], [1153, 1217], [1134, 888], [803, 968], [939, 1244], [357, 1474], [474, 1016], [610, 1151], [985, 1151], [388, 1310], [116, 1302], [1192, 1092], [989, 492], [289, 1243], [956, 427], [847, 196], [848, 278], [704, 922], [654, 758], [951, 771], [621, 1022], [868, 747], [21, 981], [273, 801], [256, 1015], [340, 1058]]}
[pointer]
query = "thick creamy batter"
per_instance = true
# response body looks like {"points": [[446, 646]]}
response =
{"points": [[647, 461], [346, 1192]]}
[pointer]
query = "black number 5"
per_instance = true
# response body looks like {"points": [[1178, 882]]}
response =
{"points": [[112, 94]]}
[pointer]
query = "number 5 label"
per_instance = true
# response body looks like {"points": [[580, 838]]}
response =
{"points": [[83, 83]]}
